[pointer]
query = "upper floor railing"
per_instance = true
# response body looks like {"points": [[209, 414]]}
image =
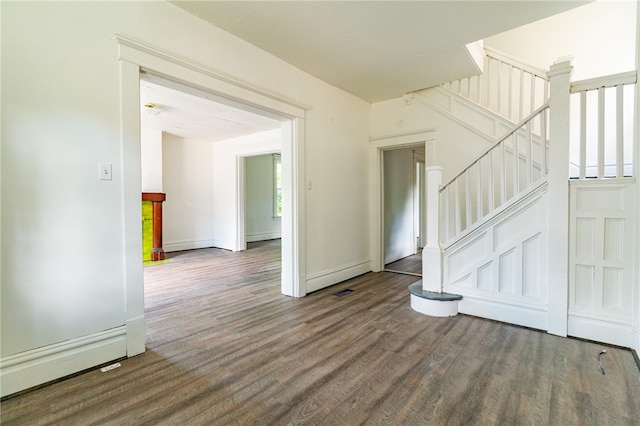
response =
{"points": [[507, 86], [602, 133]]}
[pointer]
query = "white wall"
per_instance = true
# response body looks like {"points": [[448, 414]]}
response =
{"points": [[151, 159], [399, 187], [62, 268], [188, 182], [599, 35], [337, 173], [191, 220], [455, 146], [228, 157], [260, 223], [63, 274]]}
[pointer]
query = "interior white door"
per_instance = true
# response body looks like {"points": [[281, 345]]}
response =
{"points": [[601, 261]]}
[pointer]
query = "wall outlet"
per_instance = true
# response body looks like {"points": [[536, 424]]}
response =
{"points": [[104, 171]]}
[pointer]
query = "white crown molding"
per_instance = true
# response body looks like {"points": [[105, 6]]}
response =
{"points": [[140, 46], [422, 135]]}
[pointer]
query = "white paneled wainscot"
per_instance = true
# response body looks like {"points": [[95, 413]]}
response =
{"points": [[500, 269], [601, 260]]}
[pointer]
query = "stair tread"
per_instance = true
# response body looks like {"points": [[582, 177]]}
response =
{"points": [[416, 290]]}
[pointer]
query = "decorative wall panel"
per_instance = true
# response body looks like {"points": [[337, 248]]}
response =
{"points": [[500, 269], [601, 260], [531, 270]]}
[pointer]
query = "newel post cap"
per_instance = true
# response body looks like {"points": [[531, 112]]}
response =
{"points": [[562, 65]]}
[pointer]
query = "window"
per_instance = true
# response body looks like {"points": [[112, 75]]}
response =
{"points": [[277, 186]]}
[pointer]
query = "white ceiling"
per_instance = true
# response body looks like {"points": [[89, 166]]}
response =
{"points": [[376, 50], [195, 115]]}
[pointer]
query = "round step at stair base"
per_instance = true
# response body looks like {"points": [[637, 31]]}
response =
{"points": [[434, 308]]}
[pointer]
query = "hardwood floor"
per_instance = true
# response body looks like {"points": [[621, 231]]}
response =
{"points": [[224, 347], [410, 265]]}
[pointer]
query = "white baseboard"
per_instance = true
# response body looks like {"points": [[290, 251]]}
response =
{"points": [[333, 276], [35, 367], [527, 316], [600, 330], [189, 245], [399, 252], [263, 236]]}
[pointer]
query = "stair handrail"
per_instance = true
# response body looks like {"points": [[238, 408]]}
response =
{"points": [[623, 78], [516, 128]]}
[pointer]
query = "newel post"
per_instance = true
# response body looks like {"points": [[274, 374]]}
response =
{"points": [[558, 196], [431, 252]]}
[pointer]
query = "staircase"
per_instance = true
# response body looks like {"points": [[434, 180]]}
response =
{"points": [[501, 245]]}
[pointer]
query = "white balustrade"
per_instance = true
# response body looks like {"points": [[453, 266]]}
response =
{"points": [[507, 87], [518, 167], [602, 137], [601, 123]]}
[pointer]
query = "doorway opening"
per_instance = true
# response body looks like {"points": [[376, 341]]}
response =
{"points": [[196, 150], [260, 197], [421, 141], [216, 165], [137, 58], [403, 209]]}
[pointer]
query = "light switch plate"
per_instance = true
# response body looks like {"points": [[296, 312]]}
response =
{"points": [[104, 171]]}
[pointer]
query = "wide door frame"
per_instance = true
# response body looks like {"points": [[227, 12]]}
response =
{"points": [[377, 147], [136, 57]]}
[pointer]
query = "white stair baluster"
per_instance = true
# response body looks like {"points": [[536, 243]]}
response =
{"points": [[619, 131], [467, 190], [521, 97], [498, 87], [514, 152], [479, 190], [544, 133], [529, 141], [532, 101], [601, 133], [456, 206], [583, 135], [491, 201], [503, 174], [510, 95]]}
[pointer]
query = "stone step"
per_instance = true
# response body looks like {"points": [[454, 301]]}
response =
{"points": [[433, 303], [416, 290]]}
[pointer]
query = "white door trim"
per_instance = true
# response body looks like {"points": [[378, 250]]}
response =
{"points": [[419, 202], [376, 148], [134, 56], [241, 237]]}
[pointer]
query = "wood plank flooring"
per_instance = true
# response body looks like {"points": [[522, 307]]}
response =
{"points": [[410, 264], [225, 347]]}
